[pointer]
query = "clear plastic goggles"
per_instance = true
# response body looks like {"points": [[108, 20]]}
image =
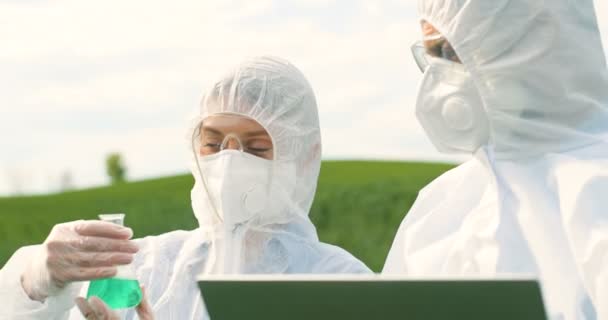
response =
{"points": [[420, 55], [208, 142], [442, 49]]}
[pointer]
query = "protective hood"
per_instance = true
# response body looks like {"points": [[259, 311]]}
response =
{"points": [[532, 201], [539, 67], [275, 94]]}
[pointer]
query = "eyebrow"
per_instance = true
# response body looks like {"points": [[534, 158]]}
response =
{"points": [[256, 133], [210, 130]]}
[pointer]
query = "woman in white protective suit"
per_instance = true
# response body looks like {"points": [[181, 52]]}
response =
{"points": [[256, 157], [522, 85]]}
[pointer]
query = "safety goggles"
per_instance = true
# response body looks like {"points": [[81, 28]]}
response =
{"points": [[230, 141], [442, 49], [205, 142], [420, 55]]}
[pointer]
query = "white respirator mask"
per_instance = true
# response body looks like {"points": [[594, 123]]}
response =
{"points": [[450, 109], [233, 187], [237, 183]]}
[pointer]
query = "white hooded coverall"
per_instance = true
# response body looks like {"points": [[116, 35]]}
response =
{"points": [[534, 199]]}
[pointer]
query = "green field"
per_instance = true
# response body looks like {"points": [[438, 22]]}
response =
{"points": [[358, 206]]}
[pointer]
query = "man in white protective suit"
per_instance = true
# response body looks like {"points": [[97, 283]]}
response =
{"points": [[522, 86], [256, 154]]}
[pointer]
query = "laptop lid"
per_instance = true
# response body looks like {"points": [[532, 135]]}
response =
{"points": [[284, 297]]}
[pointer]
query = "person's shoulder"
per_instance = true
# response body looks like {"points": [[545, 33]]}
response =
{"points": [[334, 259], [468, 177], [455, 175]]}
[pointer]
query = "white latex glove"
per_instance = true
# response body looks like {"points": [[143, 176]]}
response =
{"points": [[77, 251], [95, 309]]}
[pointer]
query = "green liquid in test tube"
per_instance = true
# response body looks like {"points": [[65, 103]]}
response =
{"points": [[121, 291]]}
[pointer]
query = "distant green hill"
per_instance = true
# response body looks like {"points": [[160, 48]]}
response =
{"points": [[359, 206]]}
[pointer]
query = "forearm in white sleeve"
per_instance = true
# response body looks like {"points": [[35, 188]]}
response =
{"points": [[16, 304]]}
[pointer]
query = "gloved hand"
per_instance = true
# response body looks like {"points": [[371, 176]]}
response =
{"points": [[95, 309], [77, 251]]}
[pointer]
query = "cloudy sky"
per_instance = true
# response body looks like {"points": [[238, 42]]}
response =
{"points": [[81, 79]]}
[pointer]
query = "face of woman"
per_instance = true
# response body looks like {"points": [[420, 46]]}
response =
{"points": [[235, 132]]}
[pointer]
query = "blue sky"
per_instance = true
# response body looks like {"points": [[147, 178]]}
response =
{"points": [[82, 79]]}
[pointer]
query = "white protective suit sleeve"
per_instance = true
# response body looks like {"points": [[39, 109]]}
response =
{"points": [[532, 199], [16, 303]]}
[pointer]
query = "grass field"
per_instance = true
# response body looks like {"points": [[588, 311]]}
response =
{"points": [[358, 206]]}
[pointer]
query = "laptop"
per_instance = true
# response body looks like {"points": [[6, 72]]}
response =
{"points": [[290, 297]]}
